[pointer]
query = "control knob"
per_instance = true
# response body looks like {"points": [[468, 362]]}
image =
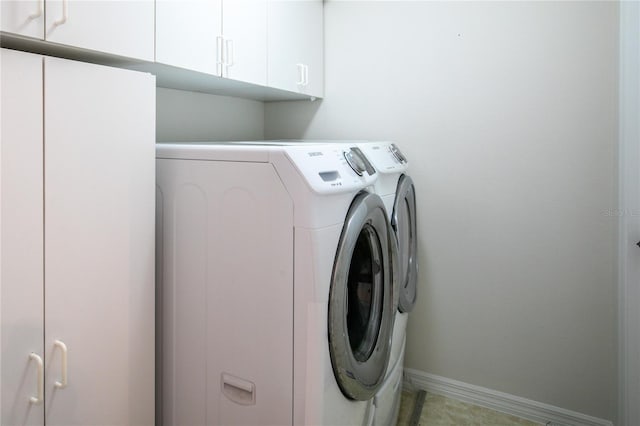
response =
{"points": [[355, 162], [396, 153]]}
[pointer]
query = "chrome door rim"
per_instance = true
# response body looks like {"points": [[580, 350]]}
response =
{"points": [[406, 195], [359, 377]]}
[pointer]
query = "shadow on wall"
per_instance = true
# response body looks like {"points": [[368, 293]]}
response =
{"points": [[299, 117], [191, 116]]}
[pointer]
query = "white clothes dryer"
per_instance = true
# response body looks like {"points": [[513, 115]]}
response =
{"points": [[397, 191], [275, 284]]}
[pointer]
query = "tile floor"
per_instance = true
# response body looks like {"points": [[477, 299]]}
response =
{"points": [[441, 411]]}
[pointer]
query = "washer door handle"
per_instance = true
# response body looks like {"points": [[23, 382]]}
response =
{"points": [[238, 390]]}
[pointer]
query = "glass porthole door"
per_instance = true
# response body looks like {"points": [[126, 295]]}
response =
{"points": [[403, 222], [361, 299]]}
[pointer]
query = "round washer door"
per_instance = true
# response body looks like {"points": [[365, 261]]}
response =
{"points": [[403, 222], [361, 299]]}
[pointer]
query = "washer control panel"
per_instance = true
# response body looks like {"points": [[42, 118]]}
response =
{"points": [[333, 168]]}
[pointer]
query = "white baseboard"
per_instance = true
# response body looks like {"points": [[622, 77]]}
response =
{"points": [[521, 407]]}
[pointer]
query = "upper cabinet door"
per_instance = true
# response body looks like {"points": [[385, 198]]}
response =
{"points": [[313, 55], [244, 26], [24, 17], [187, 32], [295, 38], [99, 175], [124, 28]]}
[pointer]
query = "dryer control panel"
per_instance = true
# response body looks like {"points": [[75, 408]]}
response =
{"points": [[386, 157], [333, 168]]}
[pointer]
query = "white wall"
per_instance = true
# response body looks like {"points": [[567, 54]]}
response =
{"points": [[508, 114], [192, 116]]}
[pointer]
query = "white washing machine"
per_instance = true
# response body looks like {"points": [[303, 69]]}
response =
{"points": [[276, 272], [397, 191]]}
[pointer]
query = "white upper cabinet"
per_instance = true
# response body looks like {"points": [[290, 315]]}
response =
{"points": [[244, 29], [124, 28], [295, 46], [24, 17], [186, 34], [227, 38], [275, 45], [119, 27]]}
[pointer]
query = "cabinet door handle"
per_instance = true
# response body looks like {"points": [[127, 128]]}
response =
{"points": [[40, 379], [231, 60], [63, 382], [219, 61], [300, 81], [65, 13], [39, 12]]}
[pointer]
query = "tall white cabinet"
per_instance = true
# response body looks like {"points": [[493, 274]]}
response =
{"points": [[77, 236], [22, 269]]}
